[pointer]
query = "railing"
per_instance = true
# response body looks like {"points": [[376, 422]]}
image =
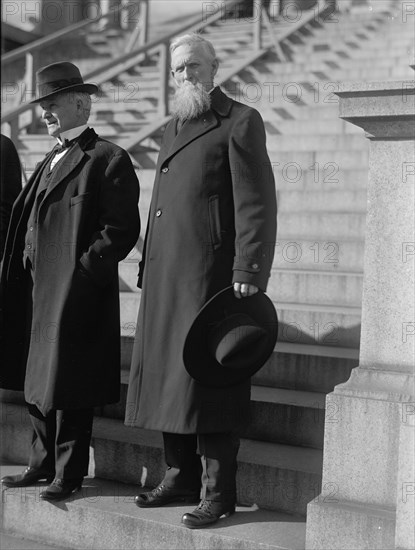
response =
{"points": [[160, 48], [31, 52]]}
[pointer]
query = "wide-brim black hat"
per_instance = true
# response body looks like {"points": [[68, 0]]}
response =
{"points": [[60, 78], [230, 339]]}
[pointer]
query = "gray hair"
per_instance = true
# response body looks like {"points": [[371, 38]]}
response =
{"points": [[84, 98], [194, 39]]}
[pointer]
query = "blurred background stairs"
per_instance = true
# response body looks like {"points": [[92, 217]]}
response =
{"points": [[320, 165]]}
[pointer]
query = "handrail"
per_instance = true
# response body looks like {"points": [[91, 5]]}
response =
{"points": [[196, 23], [37, 45]]}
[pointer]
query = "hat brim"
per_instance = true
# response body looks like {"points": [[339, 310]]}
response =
{"points": [[200, 363], [89, 88]]}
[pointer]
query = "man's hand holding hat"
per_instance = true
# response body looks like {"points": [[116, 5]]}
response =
{"points": [[243, 290]]}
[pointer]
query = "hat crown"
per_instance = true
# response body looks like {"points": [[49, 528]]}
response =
{"points": [[59, 72], [60, 77], [234, 340]]}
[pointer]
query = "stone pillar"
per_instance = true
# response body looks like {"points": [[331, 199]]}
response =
{"points": [[367, 497]]}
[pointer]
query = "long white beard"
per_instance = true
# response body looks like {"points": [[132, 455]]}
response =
{"points": [[190, 101]]}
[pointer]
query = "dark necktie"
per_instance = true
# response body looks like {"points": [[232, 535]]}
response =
{"points": [[59, 148]]}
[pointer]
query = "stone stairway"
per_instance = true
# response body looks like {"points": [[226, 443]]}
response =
{"points": [[320, 165]]}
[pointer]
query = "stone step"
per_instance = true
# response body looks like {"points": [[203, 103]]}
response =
{"points": [[401, 71], [395, 38], [272, 475], [301, 142], [287, 285], [344, 65], [321, 200], [305, 367], [16, 542], [319, 324], [323, 324], [332, 226], [290, 417], [395, 41], [321, 255], [334, 75], [320, 160], [286, 416], [316, 110], [103, 515], [364, 30], [316, 128], [316, 287], [320, 178]]}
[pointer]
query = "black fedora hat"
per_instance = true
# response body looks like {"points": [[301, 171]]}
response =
{"points": [[59, 78], [230, 339]]}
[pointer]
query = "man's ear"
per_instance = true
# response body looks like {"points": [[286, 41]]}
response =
{"points": [[215, 66]]}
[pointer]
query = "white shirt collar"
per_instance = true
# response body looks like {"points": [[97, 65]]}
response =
{"points": [[72, 133]]}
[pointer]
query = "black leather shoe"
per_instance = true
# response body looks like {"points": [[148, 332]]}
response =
{"points": [[60, 489], [29, 477], [208, 512], [162, 495]]}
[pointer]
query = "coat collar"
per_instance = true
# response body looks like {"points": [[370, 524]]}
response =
{"points": [[221, 103], [71, 160], [220, 107]]}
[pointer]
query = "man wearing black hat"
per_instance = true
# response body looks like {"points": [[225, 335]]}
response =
{"points": [[212, 224], [70, 226]]}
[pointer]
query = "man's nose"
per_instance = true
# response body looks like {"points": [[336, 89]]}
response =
{"points": [[188, 74], [45, 114]]}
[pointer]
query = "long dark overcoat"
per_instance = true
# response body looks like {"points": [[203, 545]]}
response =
{"points": [[212, 221], [68, 355]]}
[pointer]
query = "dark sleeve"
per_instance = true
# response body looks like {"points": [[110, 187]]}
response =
{"points": [[119, 220], [254, 199], [11, 185]]}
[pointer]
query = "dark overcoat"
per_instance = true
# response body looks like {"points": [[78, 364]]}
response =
{"points": [[212, 221], [10, 185], [66, 351]]}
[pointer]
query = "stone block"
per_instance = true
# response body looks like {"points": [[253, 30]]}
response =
{"points": [[103, 515], [355, 526]]}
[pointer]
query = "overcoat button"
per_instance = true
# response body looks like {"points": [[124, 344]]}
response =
{"points": [[255, 266], [29, 246], [158, 213], [165, 170]]}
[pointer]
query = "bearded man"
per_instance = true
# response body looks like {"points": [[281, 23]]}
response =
{"points": [[212, 224]]}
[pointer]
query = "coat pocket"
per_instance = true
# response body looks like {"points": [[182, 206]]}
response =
{"points": [[79, 198], [214, 221]]}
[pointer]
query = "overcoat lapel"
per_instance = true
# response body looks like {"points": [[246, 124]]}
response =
{"points": [[27, 196], [195, 128], [190, 131], [70, 161]]}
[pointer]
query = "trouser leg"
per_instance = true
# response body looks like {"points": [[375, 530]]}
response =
{"points": [[184, 468], [219, 452], [61, 441], [73, 436], [42, 452]]}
